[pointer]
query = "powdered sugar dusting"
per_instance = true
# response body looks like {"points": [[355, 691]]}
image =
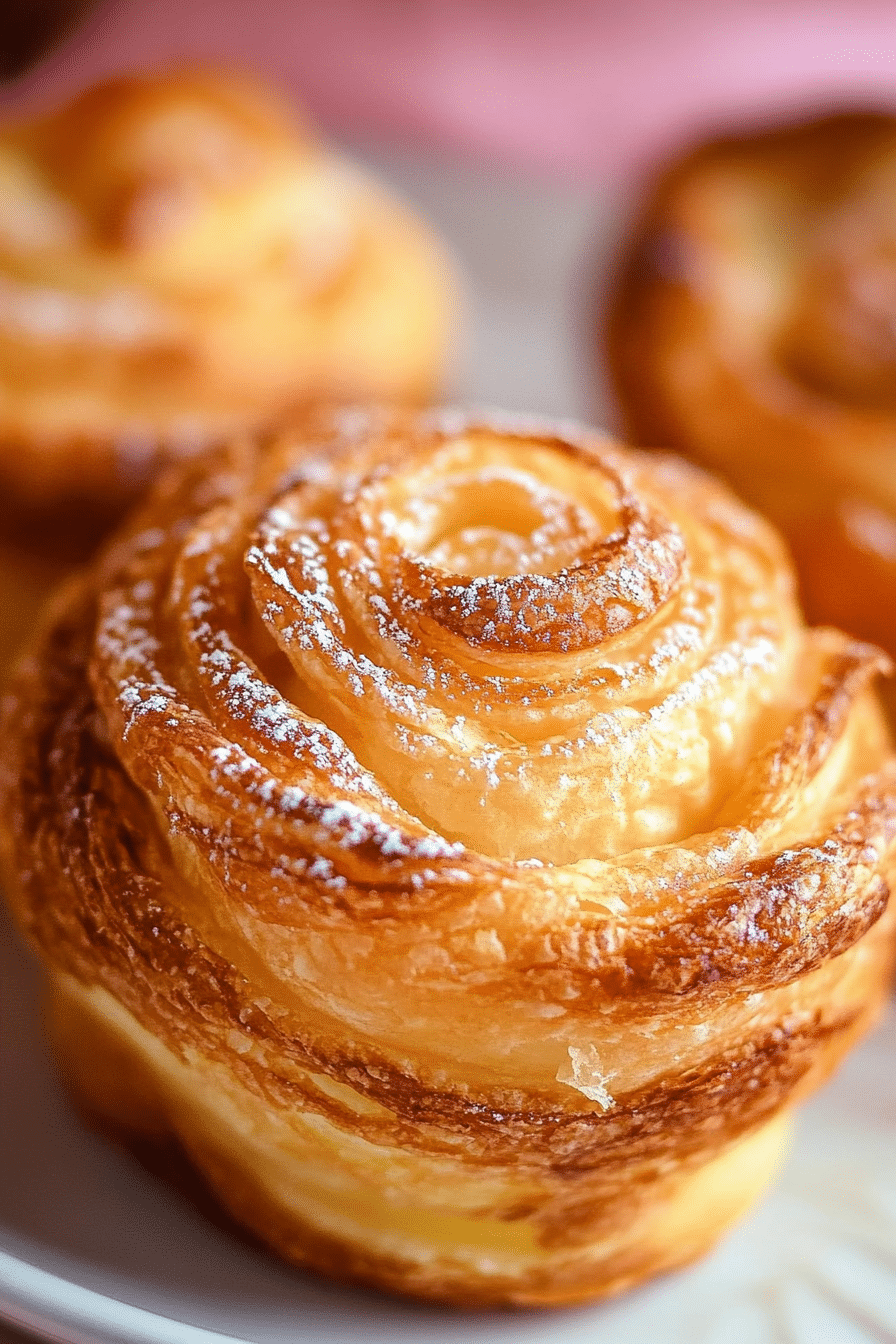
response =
{"points": [[391, 699]]}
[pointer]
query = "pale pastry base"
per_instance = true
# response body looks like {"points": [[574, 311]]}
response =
{"points": [[408, 1221]]}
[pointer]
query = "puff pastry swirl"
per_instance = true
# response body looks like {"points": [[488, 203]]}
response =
{"points": [[753, 328], [450, 833]]}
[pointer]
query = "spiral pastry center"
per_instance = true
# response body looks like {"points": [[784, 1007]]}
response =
{"points": [[475, 511], [516, 642]]}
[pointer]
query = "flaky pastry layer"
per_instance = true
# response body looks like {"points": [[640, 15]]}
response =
{"points": [[179, 259], [753, 328], [449, 832]]}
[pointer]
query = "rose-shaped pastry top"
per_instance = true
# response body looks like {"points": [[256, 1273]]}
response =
{"points": [[499, 700], [178, 256], [529, 646], [754, 328]]}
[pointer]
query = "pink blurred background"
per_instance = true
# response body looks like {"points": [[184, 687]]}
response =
{"points": [[581, 88]]}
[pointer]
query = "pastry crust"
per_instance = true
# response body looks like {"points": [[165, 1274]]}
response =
{"points": [[179, 260], [449, 832], [753, 328]]}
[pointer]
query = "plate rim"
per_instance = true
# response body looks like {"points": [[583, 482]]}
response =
{"points": [[58, 1309]]}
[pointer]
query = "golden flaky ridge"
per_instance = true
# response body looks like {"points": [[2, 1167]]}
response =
{"points": [[451, 835], [754, 329], [179, 259]]}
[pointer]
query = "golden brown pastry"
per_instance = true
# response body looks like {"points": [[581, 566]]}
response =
{"points": [[754, 328], [451, 835], [180, 259]]}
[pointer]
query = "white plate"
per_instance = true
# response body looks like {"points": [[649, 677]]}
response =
{"points": [[95, 1250]]}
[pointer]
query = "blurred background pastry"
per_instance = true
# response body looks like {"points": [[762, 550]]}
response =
{"points": [[448, 831], [179, 258], [753, 327]]}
